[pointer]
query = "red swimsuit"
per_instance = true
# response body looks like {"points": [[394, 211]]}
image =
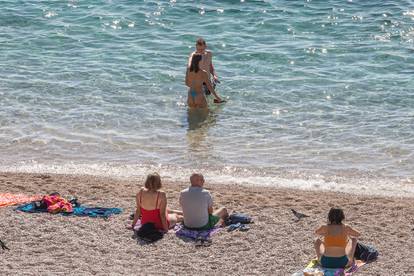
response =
{"points": [[153, 216]]}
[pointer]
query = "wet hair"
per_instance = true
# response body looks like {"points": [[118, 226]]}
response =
{"points": [[153, 182], [336, 216], [201, 42], [195, 60]]}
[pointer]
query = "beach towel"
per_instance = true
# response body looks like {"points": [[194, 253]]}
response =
{"points": [[314, 269], [13, 199], [181, 231], [82, 211], [95, 212]]}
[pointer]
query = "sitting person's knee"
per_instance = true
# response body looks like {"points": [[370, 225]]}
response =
{"points": [[223, 213]]}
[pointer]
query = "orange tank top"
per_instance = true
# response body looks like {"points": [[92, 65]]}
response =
{"points": [[336, 241]]}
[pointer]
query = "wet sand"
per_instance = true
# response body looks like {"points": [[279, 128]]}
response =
{"points": [[44, 244]]}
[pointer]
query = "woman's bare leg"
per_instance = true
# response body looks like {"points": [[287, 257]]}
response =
{"points": [[221, 213], [201, 100], [172, 220], [178, 212], [180, 218]]}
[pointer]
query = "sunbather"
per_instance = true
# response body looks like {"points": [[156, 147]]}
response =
{"points": [[152, 205], [197, 205], [339, 241]]}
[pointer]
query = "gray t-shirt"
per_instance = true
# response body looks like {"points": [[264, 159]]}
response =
{"points": [[195, 202]]}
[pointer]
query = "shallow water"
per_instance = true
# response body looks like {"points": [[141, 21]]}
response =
{"points": [[317, 91]]}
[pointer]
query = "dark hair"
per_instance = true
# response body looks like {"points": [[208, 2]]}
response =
{"points": [[201, 41], [336, 216], [195, 60], [153, 182]]}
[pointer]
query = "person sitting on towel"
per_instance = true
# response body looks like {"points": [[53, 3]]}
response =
{"points": [[197, 206], [152, 205], [339, 241]]}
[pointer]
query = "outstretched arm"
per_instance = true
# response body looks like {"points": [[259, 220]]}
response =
{"points": [[137, 213], [187, 81], [211, 69], [163, 212], [321, 230], [210, 87], [352, 232]]}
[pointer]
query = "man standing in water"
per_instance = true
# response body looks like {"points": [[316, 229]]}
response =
{"points": [[206, 62]]}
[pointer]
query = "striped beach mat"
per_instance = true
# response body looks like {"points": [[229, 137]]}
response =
{"points": [[314, 269]]}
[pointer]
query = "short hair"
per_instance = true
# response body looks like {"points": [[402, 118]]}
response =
{"points": [[336, 216], [201, 41], [153, 182], [194, 175]]}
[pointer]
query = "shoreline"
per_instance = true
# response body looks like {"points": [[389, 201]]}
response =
{"points": [[363, 184], [275, 244]]}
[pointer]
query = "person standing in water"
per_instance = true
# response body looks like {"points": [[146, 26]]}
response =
{"points": [[195, 79], [206, 63]]}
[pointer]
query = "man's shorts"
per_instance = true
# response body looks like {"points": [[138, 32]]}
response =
{"points": [[212, 221]]}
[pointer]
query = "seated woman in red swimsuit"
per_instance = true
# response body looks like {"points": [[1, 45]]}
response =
{"points": [[152, 205]]}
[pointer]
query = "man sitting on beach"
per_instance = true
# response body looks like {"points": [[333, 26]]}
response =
{"points": [[197, 205]]}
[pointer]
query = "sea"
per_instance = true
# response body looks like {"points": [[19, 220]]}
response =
{"points": [[320, 94]]}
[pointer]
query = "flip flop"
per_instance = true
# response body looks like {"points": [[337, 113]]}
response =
{"points": [[222, 101], [203, 242], [233, 227], [198, 242], [207, 242], [244, 228]]}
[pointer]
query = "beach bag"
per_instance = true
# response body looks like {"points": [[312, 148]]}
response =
{"points": [[238, 218], [365, 253], [149, 233]]}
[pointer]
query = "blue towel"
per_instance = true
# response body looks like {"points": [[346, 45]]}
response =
{"points": [[95, 212], [82, 211], [30, 208]]}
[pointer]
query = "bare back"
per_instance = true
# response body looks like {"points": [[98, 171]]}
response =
{"points": [[195, 82], [148, 199], [336, 232]]}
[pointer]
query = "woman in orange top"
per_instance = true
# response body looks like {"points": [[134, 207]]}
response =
{"points": [[339, 241]]}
